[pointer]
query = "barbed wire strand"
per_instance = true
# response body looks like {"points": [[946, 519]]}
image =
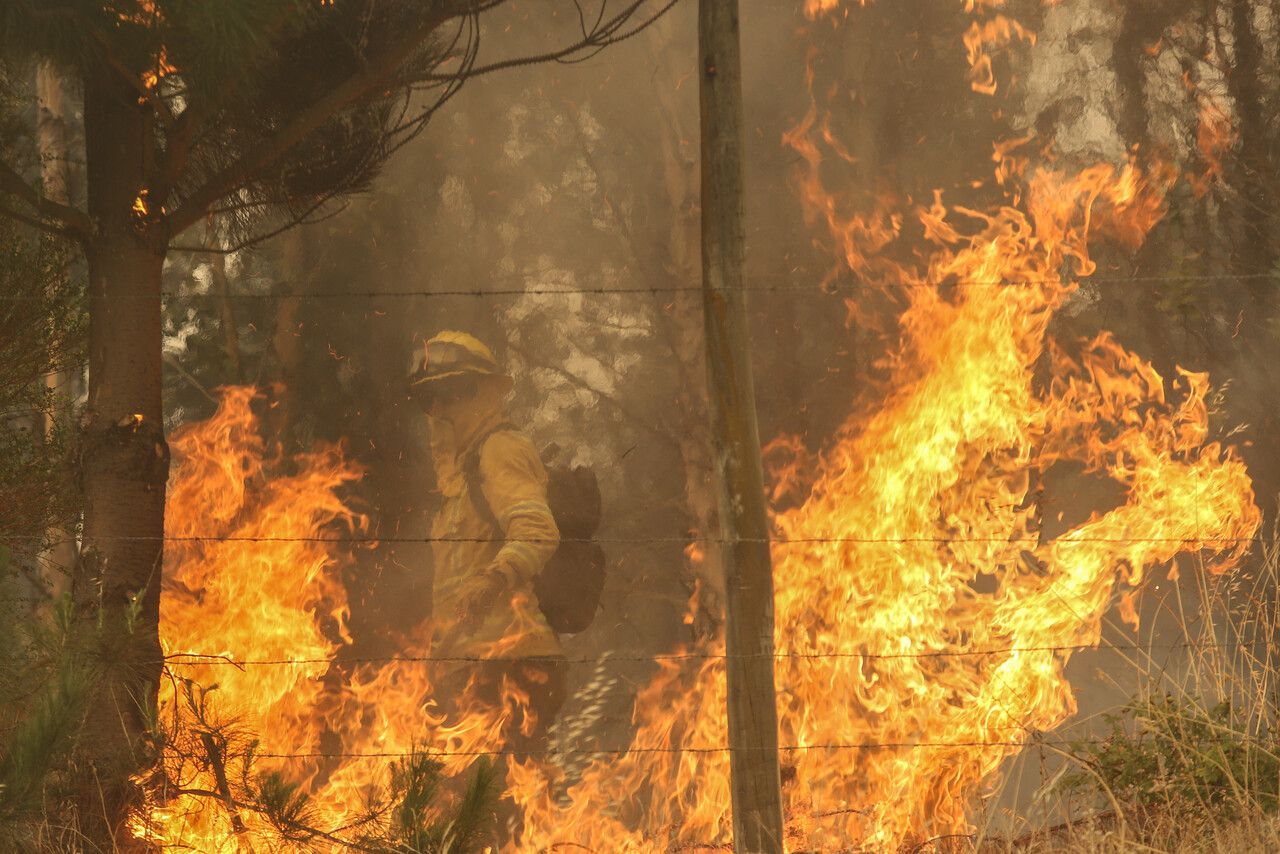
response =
{"points": [[198, 659], [686, 540], [680, 749], [827, 289]]}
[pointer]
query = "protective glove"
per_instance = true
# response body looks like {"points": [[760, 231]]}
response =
{"points": [[479, 597]]}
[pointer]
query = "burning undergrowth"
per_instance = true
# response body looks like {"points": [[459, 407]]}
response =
{"points": [[266, 738]]}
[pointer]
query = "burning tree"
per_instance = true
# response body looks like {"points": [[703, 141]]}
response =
{"points": [[256, 113]]}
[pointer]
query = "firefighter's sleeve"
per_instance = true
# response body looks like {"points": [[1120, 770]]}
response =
{"points": [[515, 485]]}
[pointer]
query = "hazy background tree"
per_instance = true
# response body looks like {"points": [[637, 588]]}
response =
{"points": [[41, 688]]}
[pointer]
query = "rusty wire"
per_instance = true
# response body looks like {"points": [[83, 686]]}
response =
{"points": [[623, 751], [196, 659], [819, 289], [683, 540]]}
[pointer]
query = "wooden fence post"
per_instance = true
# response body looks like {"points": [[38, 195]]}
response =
{"points": [[753, 715]]}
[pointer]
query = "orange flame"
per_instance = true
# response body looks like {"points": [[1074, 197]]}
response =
{"points": [[252, 575], [918, 569], [941, 612], [996, 32], [814, 9], [1215, 135]]}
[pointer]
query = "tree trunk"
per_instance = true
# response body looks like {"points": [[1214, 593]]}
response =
{"points": [[286, 341], [52, 145], [1255, 179], [124, 464], [753, 714], [1140, 26], [226, 310]]}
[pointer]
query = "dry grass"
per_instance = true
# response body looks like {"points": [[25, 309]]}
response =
{"points": [[1165, 834], [1193, 763]]}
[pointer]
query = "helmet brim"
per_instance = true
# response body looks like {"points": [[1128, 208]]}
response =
{"points": [[465, 373]]}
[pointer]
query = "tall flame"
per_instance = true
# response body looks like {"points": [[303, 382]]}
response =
{"points": [[253, 618], [946, 555], [923, 616]]}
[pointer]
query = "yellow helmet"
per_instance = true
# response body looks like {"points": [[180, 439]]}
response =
{"points": [[452, 354]]}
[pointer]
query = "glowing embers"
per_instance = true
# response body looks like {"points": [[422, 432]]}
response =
{"points": [[816, 8]]}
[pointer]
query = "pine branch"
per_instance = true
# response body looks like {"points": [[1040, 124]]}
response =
{"points": [[113, 60], [51, 216], [604, 34], [214, 755], [300, 828], [35, 223], [41, 741], [375, 77], [477, 808], [368, 80], [303, 218]]}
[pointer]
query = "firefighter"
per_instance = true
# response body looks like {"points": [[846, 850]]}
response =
{"points": [[491, 536]]}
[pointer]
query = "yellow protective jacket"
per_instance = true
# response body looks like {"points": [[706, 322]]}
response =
{"points": [[465, 545]]}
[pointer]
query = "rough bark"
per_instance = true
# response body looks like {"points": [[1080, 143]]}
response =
{"points": [[752, 708], [1253, 182], [1138, 28], [124, 465]]}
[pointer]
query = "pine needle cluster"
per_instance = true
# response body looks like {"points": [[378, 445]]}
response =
{"points": [[417, 809], [250, 68], [43, 693]]}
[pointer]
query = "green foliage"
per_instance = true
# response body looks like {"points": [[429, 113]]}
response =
{"points": [[44, 692], [41, 740], [412, 820], [210, 38], [416, 782], [418, 826], [418, 811], [239, 71], [43, 688], [42, 331], [466, 830], [286, 806], [1164, 752]]}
